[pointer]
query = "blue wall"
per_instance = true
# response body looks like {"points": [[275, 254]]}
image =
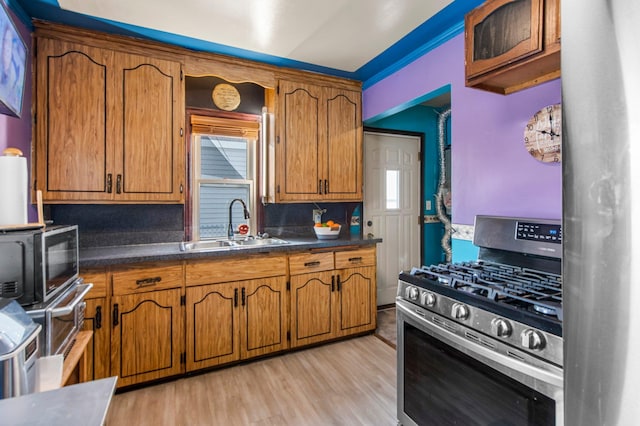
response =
{"points": [[424, 120]]}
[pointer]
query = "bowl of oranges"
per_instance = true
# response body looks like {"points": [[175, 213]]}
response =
{"points": [[328, 230]]}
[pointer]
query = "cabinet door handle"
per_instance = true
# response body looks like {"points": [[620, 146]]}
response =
{"points": [[119, 184], [98, 318], [116, 315], [333, 283], [243, 296], [109, 183], [320, 186], [338, 282], [235, 297], [326, 186], [355, 259], [144, 282], [312, 264]]}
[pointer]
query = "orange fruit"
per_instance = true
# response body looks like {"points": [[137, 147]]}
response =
{"points": [[318, 225], [330, 223]]}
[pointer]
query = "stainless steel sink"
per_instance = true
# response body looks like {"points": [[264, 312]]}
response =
{"points": [[261, 242], [207, 245], [216, 245]]}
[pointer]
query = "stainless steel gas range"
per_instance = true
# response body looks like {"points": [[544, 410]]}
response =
{"points": [[480, 342]]}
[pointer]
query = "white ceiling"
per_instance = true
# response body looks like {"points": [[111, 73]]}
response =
{"points": [[339, 34]]}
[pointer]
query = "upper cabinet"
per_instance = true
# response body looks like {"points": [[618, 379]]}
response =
{"points": [[108, 125], [319, 143], [512, 44]]}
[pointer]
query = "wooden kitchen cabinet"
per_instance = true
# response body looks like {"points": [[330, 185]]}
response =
{"points": [[319, 143], [147, 322], [336, 300], [236, 309], [108, 125], [96, 319], [234, 321], [512, 44]]}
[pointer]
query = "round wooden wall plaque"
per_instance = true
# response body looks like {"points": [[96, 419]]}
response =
{"points": [[226, 97]]}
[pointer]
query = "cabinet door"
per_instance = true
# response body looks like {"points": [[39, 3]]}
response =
{"points": [[212, 325], [73, 128], [312, 306], [263, 319], [500, 32], [357, 300], [147, 336], [151, 145], [299, 172], [96, 319], [344, 145]]}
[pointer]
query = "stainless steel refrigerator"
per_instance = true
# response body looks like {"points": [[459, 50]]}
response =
{"points": [[601, 201]]}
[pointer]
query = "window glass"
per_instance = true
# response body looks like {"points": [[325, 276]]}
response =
{"points": [[223, 170], [392, 187]]}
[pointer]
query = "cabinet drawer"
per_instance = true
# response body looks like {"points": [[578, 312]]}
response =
{"points": [[210, 271], [147, 277], [98, 277], [356, 258], [310, 262]]}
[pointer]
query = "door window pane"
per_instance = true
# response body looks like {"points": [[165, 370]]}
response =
{"points": [[392, 187]]}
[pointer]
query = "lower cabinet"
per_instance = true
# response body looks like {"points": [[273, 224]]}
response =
{"points": [[96, 319], [228, 322], [162, 319], [147, 322], [332, 303], [147, 336]]}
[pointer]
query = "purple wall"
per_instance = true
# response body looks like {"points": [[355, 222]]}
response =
{"points": [[492, 173], [16, 132]]}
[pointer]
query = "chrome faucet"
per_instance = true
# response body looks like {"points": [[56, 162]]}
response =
{"points": [[246, 216]]}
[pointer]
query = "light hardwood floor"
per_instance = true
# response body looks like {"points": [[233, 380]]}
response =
{"points": [[352, 382]]}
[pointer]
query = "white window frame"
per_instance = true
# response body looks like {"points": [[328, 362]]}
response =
{"points": [[197, 181]]}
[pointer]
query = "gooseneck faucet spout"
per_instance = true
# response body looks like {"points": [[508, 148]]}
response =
{"points": [[246, 216]]}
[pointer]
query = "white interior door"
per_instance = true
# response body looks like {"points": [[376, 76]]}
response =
{"points": [[391, 208]]}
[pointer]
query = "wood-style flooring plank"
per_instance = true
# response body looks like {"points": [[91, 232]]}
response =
{"points": [[352, 382]]}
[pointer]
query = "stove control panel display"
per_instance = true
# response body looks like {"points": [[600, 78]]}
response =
{"points": [[539, 232]]}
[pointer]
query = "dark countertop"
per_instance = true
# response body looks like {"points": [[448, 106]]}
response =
{"points": [[115, 255]]}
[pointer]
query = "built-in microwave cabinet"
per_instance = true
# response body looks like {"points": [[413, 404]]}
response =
{"points": [[512, 44]]}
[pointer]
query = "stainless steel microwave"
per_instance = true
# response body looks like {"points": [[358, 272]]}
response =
{"points": [[37, 264]]}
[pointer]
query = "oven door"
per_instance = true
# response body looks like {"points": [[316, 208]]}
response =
{"points": [[64, 319], [444, 378]]}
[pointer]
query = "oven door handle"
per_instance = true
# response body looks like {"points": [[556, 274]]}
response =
{"points": [[440, 332], [81, 292]]}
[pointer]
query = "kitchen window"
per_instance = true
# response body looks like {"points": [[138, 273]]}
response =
{"points": [[223, 169]]}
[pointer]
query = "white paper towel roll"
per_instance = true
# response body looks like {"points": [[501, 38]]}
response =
{"points": [[13, 190]]}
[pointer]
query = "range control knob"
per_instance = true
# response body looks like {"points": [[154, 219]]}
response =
{"points": [[413, 293], [532, 339], [500, 327], [427, 298], [460, 311]]}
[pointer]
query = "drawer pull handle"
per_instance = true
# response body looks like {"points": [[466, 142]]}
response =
{"points": [[355, 259], [312, 264], [148, 281]]}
